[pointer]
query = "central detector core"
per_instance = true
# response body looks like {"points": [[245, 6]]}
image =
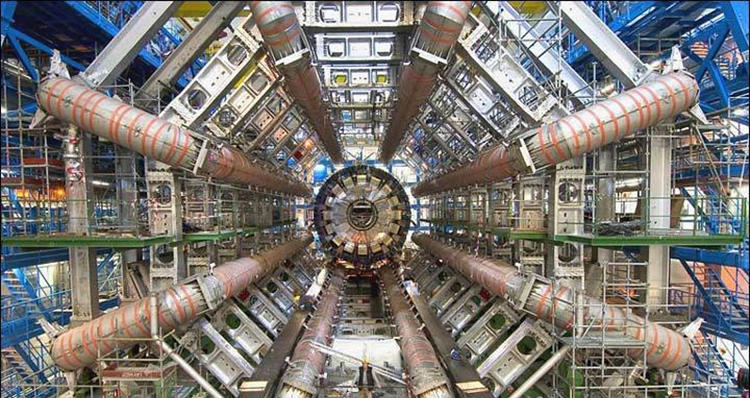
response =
{"points": [[362, 214]]}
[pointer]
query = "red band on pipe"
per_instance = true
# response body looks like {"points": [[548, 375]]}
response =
{"points": [[589, 138], [576, 140], [598, 122], [553, 135], [118, 123], [625, 113], [85, 107], [139, 320], [190, 300], [49, 94], [544, 147], [61, 96], [542, 301], [656, 100], [684, 89], [125, 326], [156, 138], [647, 106], [177, 305], [673, 107], [93, 111], [612, 118], [641, 120], [75, 105], [112, 122], [131, 127]]}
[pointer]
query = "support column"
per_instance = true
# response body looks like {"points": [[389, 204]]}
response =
{"points": [[127, 203], [659, 212], [605, 211], [565, 217], [168, 264], [80, 195]]}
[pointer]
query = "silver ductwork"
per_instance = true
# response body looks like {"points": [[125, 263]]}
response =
{"points": [[281, 31], [437, 33], [154, 137], [575, 135], [667, 349], [307, 363], [120, 329]]}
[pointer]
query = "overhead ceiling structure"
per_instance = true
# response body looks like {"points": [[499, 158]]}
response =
{"points": [[375, 199]]}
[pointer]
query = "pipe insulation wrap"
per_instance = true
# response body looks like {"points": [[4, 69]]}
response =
{"points": [[577, 134], [153, 137], [178, 305], [665, 348], [437, 33], [281, 31], [425, 371], [308, 362]]}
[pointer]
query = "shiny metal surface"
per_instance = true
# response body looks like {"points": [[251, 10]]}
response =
{"points": [[307, 362], [574, 135], [121, 328], [362, 215], [437, 33], [667, 349], [155, 137], [281, 31], [426, 375]]}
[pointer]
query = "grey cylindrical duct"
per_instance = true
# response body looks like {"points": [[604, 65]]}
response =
{"points": [[437, 33], [153, 137], [574, 135], [83, 345], [282, 33], [427, 378], [307, 363], [667, 349]]}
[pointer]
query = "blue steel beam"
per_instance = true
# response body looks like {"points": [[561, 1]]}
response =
{"points": [[7, 10], [44, 48], [30, 362], [92, 15], [715, 323], [736, 13], [22, 329], [712, 52], [22, 56], [39, 257], [27, 286]]}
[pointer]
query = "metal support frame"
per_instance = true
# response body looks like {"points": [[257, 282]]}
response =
{"points": [[78, 185], [168, 264], [543, 53], [216, 79], [220, 16], [603, 43], [461, 372], [659, 214], [126, 45]]}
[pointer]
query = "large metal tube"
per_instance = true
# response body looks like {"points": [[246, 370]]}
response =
{"points": [[541, 372], [154, 137], [574, 135], [162, 345], [281, 31], [426, 376], [118, 329], [437, 33], [666, 348], [308, 362]]}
